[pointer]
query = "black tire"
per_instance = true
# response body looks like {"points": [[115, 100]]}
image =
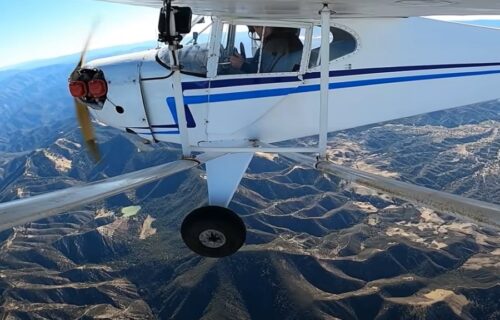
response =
{"points": [[213, 231]]}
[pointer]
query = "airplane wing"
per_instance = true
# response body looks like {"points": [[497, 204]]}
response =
{"points": [[343, 8], [30, 209]]}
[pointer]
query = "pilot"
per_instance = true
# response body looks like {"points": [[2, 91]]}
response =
{"points": [[281, 51]]}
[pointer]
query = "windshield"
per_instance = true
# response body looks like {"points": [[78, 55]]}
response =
{"points": [[193, 55]]}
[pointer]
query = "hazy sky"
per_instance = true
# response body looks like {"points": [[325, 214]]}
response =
{"points": [[38, 29]]}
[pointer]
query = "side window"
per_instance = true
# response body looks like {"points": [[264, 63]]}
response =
{"points": [[341, 43], [260, 49]]}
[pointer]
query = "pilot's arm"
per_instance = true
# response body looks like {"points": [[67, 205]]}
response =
{"points": [[239, 63], [236, 60]]}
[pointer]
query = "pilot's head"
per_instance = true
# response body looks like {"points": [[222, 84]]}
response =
{"points": [[262, 32]]}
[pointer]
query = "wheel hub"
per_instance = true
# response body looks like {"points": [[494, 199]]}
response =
{"points": [[213, 231], [212, 238]]}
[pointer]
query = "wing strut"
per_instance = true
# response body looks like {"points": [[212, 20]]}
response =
{"points": [[179, 104], [324, 80], [441, 201], [171, 18], [22, 211], [480, 211]]}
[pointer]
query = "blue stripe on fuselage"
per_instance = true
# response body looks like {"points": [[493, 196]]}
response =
{"points": [[222, 83], [265, 93], [159, 132]]}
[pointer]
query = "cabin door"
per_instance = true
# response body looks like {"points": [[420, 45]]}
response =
{"points": [[259, 66]]}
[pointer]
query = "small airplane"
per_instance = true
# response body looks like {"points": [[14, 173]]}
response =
{"points": [[241, 76]]}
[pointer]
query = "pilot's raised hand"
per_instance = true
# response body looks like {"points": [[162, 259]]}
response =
{"points": [[236, 60]]}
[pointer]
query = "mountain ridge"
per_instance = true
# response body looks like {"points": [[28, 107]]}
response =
{"points": [[317, 247]]}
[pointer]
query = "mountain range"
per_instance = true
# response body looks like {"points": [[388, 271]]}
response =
{"points": [[317, 247]]}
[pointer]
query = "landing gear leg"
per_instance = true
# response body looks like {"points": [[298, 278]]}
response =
{"points": [[213, 231]]}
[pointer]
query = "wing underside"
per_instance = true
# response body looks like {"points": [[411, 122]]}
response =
{"points": [[301, 9]]}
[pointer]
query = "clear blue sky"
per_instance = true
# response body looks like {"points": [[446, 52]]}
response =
{"points": [[37, 29]]}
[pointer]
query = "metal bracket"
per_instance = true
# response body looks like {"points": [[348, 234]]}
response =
{"points": [[172, 23]]}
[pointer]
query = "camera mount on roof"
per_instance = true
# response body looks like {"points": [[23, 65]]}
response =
{"points": [[173, 23]]}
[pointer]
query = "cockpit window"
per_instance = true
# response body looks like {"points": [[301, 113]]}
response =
{"points": [[193, 56], [255, 49], [341, 43], [260, 49]]}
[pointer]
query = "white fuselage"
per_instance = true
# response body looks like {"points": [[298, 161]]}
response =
{"points": [[400, 68]]}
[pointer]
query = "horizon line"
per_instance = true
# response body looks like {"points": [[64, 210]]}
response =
{"points": [[67, 55]]}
